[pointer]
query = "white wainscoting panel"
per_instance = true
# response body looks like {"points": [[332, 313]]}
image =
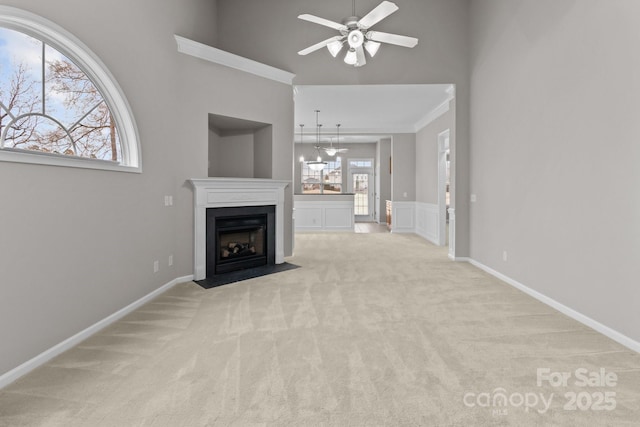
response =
{"points": [[308, 218], [330, 215], [339, 218], [403, 217], [428, 221]]}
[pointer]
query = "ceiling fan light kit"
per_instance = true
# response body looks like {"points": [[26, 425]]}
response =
{"points": [[335, 47], [355, 32]]}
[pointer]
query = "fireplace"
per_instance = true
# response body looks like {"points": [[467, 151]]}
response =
{"points": [[239, 193], [239, 238]]}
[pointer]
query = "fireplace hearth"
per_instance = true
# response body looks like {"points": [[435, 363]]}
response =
{"points": [[239, 238]]}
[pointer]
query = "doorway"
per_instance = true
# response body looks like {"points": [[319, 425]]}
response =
{"points": [[444, 186], [362, 185]]}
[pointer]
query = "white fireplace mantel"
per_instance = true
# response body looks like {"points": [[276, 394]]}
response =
{"points": [[234, 192]]}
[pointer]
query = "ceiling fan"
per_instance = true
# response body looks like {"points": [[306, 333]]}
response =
{"points": [[331, 150], [356, 33]]}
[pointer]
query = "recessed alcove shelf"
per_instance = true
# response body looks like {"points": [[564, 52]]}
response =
{"points": [[217, 56]]}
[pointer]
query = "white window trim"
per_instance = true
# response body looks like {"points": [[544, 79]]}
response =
{"points": [[69, 45]]}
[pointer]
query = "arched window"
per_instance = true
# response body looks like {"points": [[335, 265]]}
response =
{"points": [[59, 104]]}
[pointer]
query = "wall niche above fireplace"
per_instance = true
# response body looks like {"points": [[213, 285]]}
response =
{"points": [[239, 148]]}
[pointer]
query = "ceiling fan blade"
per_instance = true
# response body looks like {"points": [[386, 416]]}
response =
{"points": [[322, 21], [396, 39], [381, 11], [362, 60], [319, 45]]}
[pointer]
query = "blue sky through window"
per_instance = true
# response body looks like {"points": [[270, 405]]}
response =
{"points": [[69, 98]]}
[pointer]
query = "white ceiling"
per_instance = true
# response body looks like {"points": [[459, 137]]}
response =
{"points": [[366, 112]]}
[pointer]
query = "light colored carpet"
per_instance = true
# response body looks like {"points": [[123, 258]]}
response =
{"points": [[373, 329]]}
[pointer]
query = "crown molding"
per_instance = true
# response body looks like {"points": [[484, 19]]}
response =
{"points": [[438, 111], [432, 115], [221, 57]]}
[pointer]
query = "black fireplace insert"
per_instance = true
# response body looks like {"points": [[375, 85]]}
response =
{"points": [[240, 238]]}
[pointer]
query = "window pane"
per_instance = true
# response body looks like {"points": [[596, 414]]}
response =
{"points": [[20, 85], [96, 136], [361, 163], [328, 180], [49, 137], [333, 177], [74, 119], [311, 180]]}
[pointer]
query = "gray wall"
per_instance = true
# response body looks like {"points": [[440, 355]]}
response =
{"points": [[403, 170], [555, 151], [235, 156], [427, 157], [214, 151], [263, 152], [81, 243], [441, 56]]}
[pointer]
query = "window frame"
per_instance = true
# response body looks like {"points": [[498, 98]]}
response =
{"points": [[322, 182], [66, 43]]}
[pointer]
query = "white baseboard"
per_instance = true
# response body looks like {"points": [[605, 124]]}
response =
{"points": [[575, 315], [65, 345]]}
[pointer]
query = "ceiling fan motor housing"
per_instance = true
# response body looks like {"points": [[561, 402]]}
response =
{"points": [[351, 23], [355, 39]]}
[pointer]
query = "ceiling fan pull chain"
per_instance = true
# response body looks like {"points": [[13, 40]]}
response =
{"points": [[353, 8]]}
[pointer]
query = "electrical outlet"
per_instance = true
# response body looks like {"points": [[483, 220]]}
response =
{"points": [[170, 260], [170, 200], [474, 198], [504, 255], [156, 266]]}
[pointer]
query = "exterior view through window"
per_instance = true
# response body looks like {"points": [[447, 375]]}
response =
{"points": [[49, 105], [326, 181]]}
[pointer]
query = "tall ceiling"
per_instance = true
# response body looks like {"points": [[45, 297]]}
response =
{"points": [[269, 31], [391, 93]]}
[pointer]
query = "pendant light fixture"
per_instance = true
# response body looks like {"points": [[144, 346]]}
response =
{"points": [[301, 142], [318, 164]]}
